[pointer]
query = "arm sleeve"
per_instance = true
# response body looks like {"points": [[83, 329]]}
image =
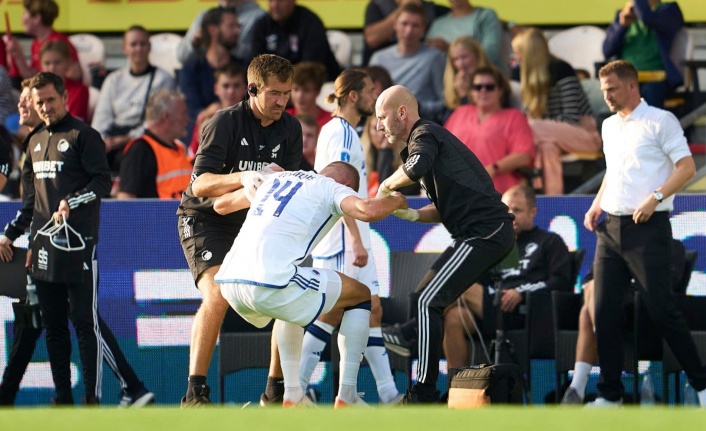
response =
{"points": [[490, 32], [23, 218], [138, 170], [185, 48], [373, 13], [671, 135], [104, 116], [95, 164], [665, 19], [329, 149], [423, 149], [216, 137], [613, 43]]}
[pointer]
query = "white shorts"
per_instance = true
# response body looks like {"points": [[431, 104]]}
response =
{"points": [[311, 292], [343, 263]]}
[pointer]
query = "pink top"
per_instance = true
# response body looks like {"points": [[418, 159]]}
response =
{"points": [[77, 102], [504, 132]]}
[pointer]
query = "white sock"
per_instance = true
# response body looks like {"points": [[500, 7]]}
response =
{"points": [[352, 339], [581, 372], [289, 341], [377, 358], [315, 339], [702, 398]]}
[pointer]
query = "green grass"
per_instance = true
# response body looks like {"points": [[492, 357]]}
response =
{"points": [[373, 419]]}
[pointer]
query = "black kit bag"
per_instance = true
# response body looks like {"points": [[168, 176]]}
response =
{"points": [[59, 254], [482, 385]]}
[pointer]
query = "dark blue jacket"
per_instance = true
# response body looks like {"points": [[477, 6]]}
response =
{"points": [[666, 22]]}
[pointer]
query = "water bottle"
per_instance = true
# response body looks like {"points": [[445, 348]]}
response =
{"points": [[690, 397], [647, 391]]}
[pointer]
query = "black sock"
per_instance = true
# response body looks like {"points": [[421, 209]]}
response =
{"points": [[197, 381], [274, 388]]}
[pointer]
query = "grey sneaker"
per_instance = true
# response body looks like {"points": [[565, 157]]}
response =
{"points": [[136, 399], [395, 340], [571, 396]]}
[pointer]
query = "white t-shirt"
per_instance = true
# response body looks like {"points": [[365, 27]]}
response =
{"points": [[290, 213], [339, 142]]}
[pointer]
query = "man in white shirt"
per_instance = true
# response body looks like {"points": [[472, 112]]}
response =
{"points": [[647, 162], [347, 246], [262, 280]]}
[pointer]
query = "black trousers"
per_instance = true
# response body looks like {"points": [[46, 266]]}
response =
{"points": [[643, 250], [24, 340], [458, 267], [96, 341]]}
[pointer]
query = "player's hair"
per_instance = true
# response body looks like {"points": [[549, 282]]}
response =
{"points": [[42, 79], [26, 83], [452, 100], [309, 72], [623, 69], [308, 120], [525, 191], [415, 9], [136, 28], [48, 10], [379, 74], [213, 17], [265, 65], [230, 69], [58, 46], [161, 103], [346, 172], [499, 80], [349, 80], [535, 77]]}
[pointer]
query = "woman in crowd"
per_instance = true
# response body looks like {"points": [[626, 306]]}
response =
{"points": [[464, 55], [499, 136], [559, 112]]}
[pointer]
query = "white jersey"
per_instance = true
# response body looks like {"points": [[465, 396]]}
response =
{"points": [[339, 142], [289, 215]]}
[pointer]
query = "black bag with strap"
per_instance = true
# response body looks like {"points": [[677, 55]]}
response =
{"points": [[481, 385]]}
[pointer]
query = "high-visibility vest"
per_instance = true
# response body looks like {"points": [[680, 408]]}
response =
{"points": [[173, 168]]}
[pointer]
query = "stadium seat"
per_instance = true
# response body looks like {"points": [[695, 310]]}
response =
{"points": [[91, 53], [342, 47], [327, 89], [580, 46], [163, 52]]}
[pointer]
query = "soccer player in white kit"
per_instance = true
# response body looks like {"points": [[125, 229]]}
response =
{"points": [[261, 277], [347, 247]]}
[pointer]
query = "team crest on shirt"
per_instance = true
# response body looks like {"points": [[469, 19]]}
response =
{"points": [[274, 151], [530, 248], [206, 255], [63, 145]]}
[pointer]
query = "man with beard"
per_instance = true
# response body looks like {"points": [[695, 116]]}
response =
{"points": [[254, 135], [347, 248], [220, 32]]}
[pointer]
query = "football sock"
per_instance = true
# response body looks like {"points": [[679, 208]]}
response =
{"points": [[581, 372], [377, 358], [289, 341], [316, 337], [352, 339]]}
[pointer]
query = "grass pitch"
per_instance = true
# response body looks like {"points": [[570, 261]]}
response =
{"points": [[373, 419]]}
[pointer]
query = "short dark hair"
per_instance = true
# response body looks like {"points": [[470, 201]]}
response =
{"points": [[379, 74], [265, 65], [231, 69], [309, 71], [59, 46], [413, 8], [307, 120], [623, 69], [527, 192], [213, 16], [42, 79], [136, 28], [499, 79], [47, 9]]}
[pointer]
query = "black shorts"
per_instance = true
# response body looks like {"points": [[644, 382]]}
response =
{"points": [[205, 241]]}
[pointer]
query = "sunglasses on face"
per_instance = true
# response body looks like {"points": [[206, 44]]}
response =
{"points": [[486, 87]]}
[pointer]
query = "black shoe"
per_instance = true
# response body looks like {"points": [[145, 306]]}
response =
{"points": [[197, 396], [136, 398], [415, 396], [395, 340], [276, 401], [90, 400]]}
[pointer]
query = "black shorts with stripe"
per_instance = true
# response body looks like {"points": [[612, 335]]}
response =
{"points": [[205, 241]]}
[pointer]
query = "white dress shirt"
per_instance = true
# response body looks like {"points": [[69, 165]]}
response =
{"points": [[641, 150]]}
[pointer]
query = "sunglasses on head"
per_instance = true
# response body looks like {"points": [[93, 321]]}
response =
{"points": [[487, 87]]}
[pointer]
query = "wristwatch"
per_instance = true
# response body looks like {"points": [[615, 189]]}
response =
{"points": [[659, 197]]}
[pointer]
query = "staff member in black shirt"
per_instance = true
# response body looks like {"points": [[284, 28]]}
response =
{"points": [[235, 144], [463, 199], [66, 172]]}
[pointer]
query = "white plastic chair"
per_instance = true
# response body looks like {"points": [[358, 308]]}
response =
{"points": [[342, 47], [163, 53], [683, 50], [580, 46], [91, 52], [326, 89]]}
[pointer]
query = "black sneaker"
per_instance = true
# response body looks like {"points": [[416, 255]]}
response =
{"points": [[395, 341], [275, 401], [197, 396], [414, 396], [136, 399]]}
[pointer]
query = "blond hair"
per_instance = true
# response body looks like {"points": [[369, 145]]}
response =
{"points": [[535, 78], [452, 99]]}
